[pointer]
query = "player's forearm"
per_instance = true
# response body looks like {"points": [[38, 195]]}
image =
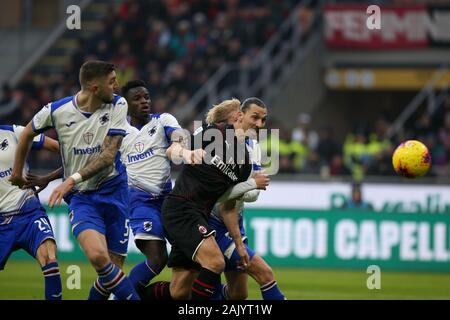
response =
{"points": [[105, 159], [51, 144], [23, 148], [176, 152], [58, 173], [238, 190], [230, 217], [251, 196]]}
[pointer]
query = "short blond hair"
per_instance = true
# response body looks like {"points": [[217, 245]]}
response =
{"points": [[220, 112]]}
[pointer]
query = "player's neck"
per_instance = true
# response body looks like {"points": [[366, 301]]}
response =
{"points": [[86, 102], [138, 122]]}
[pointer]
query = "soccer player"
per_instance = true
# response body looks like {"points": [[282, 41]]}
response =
{"points": [[251, 116], [187, 208], [23, 221], [90, 127], [148, 167]]}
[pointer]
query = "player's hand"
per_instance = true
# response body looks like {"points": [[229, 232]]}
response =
{"points": [[245, 259], [36, 181], [262, 181], [60, 191], [197, 156], [194, 156], [17, 180]]}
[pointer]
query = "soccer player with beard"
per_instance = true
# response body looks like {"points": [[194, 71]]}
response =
{"points": [[90, 128], [195, 258], [230, 236]]}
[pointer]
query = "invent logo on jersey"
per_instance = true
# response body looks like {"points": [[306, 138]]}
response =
{"points": [[6, 173], [4, 145], [88, 150], [140, 156]]}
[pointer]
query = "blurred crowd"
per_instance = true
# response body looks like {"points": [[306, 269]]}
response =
{"points": [[366, 150], [175, 46]]}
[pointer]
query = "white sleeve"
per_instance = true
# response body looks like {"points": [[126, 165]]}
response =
{"points": [[119, 121], [43, 119], [38, 141], [170, 124], [251, 196], [238, 190]]}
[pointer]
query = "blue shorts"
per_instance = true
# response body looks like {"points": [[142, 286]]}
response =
{"points": [[105, 212], [27, 230], [226, 244], [145, 215]]}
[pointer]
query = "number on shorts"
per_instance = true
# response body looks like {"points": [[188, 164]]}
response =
{"points": [[43, 225]]}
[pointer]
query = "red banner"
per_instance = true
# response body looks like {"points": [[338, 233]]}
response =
{"points": [[348, 26]]}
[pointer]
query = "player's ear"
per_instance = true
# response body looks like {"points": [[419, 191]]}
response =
{"points": [[239, 116]]}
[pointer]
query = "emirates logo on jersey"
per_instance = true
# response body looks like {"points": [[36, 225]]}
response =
{"points": [[4, 145], [104, 119], [139, 147], [88, 137], [152, 131]]}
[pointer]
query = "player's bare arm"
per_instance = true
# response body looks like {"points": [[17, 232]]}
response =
{"points": [[41, 182], [230, 217], [110, 146], [23, 148], [178, 153], [106, 158]]}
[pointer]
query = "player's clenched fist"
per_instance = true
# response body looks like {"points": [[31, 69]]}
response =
{"points": [[262, 181]]}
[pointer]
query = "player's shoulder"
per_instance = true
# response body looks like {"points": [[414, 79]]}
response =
{"points": [[118, 101], [6, 128], [165, 118], [55, 105]]}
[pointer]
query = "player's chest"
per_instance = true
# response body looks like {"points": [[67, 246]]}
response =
{"points": [[77, 126], [150, 136]]}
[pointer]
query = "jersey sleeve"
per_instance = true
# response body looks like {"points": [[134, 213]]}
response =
{"points": [[256, 156], [42, 120], [170, 124], [119, 118], [38, 141]]}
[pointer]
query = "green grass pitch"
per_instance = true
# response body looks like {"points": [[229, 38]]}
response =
{"points": [[23, 280]]}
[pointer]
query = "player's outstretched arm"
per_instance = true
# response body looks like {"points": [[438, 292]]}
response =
{"points": [[110, 146], [23, 148], [230, 217], [180, 154]]}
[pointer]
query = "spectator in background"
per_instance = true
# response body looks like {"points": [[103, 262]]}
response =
{"points": [[356, 201], [303, 132]]}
